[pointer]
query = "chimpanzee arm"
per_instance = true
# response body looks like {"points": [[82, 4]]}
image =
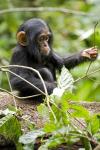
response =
{"points": [[56, 60], [69, 62], [89, 54], [74, 60]]}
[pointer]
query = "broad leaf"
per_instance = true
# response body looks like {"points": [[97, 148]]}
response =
{"points": [[43, 110], [30, 137], [52, 142], [65, 81], [80, 111], [10, 128]]}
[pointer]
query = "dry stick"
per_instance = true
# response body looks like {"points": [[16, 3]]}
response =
{"points": [[94, 34], [26, 97], [1, 89], [11, 90], [25, 67], [6, 70], [94, 72], [88, 68], [86, 75], [18, 97], [94, 47], [1, 78], [2, 69], [43, 9]]}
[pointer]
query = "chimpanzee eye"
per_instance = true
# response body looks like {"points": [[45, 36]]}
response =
{"points": [[41, 38], [47, 38]]}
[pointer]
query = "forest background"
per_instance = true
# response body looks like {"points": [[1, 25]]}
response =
{"points": [[73, 25]]}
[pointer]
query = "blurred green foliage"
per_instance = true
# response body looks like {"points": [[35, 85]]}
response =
{"points": [[72, 32]]}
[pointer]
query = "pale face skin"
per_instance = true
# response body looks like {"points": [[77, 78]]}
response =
{"points": [[43, 39]]}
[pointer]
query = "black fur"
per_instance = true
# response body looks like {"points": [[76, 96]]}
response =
{"points": [[30, 56]]}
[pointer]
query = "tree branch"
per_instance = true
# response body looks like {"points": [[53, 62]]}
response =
{"points": [[42, 9]]}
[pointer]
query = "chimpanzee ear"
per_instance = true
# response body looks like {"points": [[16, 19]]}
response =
{"points": [[21, 38]]}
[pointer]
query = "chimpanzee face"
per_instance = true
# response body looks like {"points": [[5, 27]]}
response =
{"points": [[37, 33], [43, 42]]}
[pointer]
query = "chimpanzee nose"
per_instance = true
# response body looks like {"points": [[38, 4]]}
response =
{"points": [[45, 44]]}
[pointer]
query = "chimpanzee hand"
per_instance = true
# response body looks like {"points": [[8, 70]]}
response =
{"points": [[90, 53]]}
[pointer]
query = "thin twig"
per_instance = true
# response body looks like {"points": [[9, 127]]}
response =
{"points": [[86, 75], [94, 34], [93, 46], [11, 90], [88, 68], [4, 90], [47, 9], [34, 70], [18, 97], [12, 66], [1, 78], [26, 97]]}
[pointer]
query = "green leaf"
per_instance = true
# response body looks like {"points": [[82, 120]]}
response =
{"points": [[80, 111], [94, 124], [65, 81], [8, 111], [30, 137], [86, 144], [50, 127], [43, 110], [61, 101], [10, 128], [67, 96], [83, 91], [97, 136], [52, 142]]}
